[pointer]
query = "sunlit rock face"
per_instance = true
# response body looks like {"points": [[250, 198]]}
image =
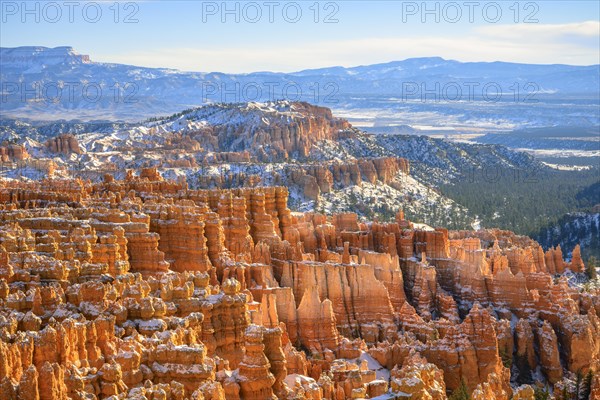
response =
{"points": [[144, 289], [13, 152], [63, 144]]}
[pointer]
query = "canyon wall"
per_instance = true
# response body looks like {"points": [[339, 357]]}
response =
{"points": [[142, 288]]}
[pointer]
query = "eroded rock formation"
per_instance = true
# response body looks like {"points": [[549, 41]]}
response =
{"points": [[13, 153], [141, 288], [315, 179], [63, 144]]}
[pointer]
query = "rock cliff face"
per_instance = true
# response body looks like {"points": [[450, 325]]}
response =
{"points": [[63, 144], [13, 153], [315, 179], [278, 130], [141, 288]]}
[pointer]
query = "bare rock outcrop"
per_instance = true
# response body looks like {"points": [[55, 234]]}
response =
{"points": [[63, 144], [142, 288], [13, 153]]}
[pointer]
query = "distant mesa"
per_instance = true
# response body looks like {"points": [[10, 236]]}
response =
{"points": [[21, 56]]}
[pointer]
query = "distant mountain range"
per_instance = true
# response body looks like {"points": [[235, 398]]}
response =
{"points": [[58, 83]]}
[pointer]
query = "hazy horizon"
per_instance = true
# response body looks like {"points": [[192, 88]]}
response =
{"points": [[242, 37], [93, 59]]}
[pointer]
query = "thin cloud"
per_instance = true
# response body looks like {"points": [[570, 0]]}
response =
{"points": [[542, 32], [533, 43]]}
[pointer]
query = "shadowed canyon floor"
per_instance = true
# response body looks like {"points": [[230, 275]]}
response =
{"points": [[142, 288]]}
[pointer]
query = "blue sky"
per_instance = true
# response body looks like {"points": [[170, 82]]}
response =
{"points": [[199, 36]]}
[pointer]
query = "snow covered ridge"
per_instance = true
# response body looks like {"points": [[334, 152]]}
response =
{"points": [[327, 164], [268, 132], [250, 115]]}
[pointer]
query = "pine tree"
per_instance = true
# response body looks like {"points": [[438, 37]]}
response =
{"points": [[461, 392], [578, 381], [585, 391], [541, 393], [524, 376], [506, 358], [590, 268]]}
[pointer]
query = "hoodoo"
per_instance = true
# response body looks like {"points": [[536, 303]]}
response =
{"points": [[142, 288]]}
